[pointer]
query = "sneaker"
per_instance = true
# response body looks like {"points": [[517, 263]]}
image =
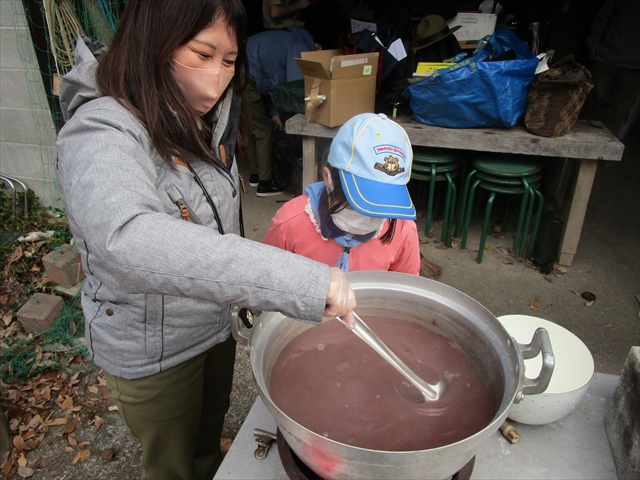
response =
{"points": [[266, 188], [254, 180]]}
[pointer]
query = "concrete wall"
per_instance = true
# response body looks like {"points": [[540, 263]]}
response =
{"points": [[27, 132]]}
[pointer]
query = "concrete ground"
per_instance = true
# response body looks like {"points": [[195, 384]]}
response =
{"points": [[607, 264]]}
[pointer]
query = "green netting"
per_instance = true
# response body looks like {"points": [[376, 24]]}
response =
{"points": [[52, 27], [26, 356]]}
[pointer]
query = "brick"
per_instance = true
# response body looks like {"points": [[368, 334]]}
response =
{"points": [[69, 292], [40, 312], [63, 266]]}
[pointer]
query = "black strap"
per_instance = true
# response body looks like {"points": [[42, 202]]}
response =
{"points": [[209, 200]]}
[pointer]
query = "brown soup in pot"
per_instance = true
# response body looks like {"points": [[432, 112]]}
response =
{"points": [[331, 382]]}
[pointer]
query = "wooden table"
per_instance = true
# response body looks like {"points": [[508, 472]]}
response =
{"points": [[578, 152]]}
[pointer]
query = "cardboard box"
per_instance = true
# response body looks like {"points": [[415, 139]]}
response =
{"points": [[347, 81], [475, 26]]}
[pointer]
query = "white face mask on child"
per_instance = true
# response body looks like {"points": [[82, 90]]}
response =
{"points": [[355, 223], [350, 221]]}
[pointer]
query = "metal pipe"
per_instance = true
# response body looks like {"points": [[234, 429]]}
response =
{"points": [[13, 188], [24, 188]]}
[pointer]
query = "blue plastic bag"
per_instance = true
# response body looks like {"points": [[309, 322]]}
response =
{"points": [[477, 91]]}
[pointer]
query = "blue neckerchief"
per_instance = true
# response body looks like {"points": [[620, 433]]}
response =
{"points": [[319, 203]]}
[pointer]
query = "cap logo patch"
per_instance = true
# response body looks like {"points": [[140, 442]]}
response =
{"points": [[391, 166], [390, 149]]}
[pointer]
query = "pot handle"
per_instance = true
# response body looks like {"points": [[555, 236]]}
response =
{"points": [[242, 320], [540, 343]]}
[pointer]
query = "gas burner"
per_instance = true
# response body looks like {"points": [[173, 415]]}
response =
{"points": [[297, 470], [293, 466]]}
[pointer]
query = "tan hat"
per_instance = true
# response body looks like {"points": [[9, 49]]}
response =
{"points": [[432, 29]]}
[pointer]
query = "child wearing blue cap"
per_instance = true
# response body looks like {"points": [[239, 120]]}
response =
{"points": [[360, 217]]}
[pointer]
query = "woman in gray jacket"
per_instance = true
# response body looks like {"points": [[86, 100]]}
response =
{"points": [[148, 173]]}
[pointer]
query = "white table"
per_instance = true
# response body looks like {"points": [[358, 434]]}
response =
{"points": [[584, 145], [574, 447]]}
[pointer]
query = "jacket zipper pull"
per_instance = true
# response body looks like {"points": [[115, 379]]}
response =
{"points": [[184, 211]]}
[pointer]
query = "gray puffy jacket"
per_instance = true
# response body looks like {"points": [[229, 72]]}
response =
{"points": [[159, 289]]}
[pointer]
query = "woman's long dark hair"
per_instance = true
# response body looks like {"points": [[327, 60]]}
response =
{"points": [[338, 201], [136, 71]]}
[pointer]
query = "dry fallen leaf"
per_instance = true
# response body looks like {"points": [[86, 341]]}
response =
{"points": [[22, 461], [548, 278], [25, 472], [93, 389], [81, 456], [56, 421], [576, 293], [534, 304], [97, 422], [13, 256], [489, 249], [7, 464], [18, 442], [67, 403], [71, 427], [109, 454], [225, 444], [113, 408]]}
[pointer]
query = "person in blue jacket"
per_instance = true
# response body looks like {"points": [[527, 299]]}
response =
{"points": [[271, 57]]}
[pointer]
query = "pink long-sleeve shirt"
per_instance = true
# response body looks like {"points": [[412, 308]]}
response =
{"points": [[294, 228]]}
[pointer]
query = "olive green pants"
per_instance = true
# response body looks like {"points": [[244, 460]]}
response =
{"points": [[177, 415], [260, 130]]}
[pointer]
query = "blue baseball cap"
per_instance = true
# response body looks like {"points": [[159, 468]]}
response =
{"points": [[374, 155]]}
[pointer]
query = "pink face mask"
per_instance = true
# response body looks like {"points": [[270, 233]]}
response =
{"points": [[202, 87]]}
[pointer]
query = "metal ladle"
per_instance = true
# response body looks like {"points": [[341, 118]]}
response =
{"points": [[428, 391]]}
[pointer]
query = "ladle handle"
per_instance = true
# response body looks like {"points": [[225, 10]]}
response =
{"points": [[362, 330]]}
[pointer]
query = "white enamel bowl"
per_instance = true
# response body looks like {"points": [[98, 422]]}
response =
{"points": [[573, 371]]}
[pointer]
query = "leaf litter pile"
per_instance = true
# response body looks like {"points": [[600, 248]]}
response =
{"points": [[48, 385]]}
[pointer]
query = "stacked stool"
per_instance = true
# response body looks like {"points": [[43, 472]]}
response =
{"points": [[503, 174], [436, 165]]}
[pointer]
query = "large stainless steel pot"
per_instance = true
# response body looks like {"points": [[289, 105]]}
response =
{"points": [[444, 310]]}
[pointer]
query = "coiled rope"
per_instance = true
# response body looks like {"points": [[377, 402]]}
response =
{"points": [[64, 29]]}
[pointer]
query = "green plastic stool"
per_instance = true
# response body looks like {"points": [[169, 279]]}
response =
{"points": [[512, 175], [434, 165], [450, 202]]}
